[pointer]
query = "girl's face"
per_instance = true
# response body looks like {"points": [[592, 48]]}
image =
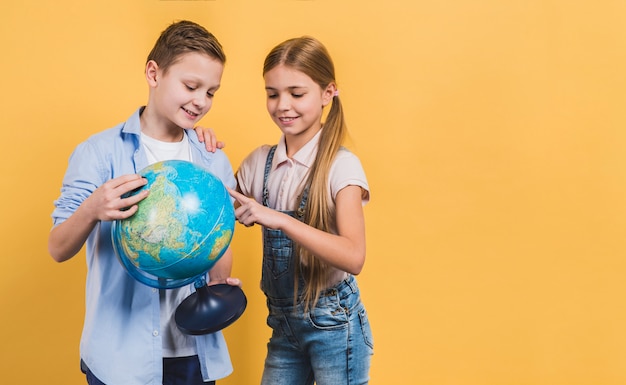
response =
{"points": [[295, 102], [184, 94]]}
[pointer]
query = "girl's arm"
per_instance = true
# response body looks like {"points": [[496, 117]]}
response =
{"points": [[344, 251]]}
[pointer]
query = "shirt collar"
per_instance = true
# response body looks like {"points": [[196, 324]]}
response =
{"points": [[133, 125], [305, 156]]}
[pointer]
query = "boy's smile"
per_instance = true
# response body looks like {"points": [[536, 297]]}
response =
{"points": [[181, 95]]}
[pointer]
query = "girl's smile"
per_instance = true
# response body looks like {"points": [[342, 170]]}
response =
{"points": [[295, 103]]}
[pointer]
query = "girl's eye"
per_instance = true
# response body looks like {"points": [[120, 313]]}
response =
{"points": [[272, 96], [209, 95], [190, 88], [297, 95]]}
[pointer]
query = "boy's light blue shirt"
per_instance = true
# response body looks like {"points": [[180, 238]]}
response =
{"points": [[121, 339]]}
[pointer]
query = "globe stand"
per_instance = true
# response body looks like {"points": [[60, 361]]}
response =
{"points": [[210, 308]]}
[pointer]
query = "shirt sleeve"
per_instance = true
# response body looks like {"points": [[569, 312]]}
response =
{"points": [[222, 167], [251, 172], [217, 162], [348, 171], [83, 176]]}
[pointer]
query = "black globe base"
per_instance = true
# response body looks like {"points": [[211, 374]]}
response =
{"points": [[210, 309]]}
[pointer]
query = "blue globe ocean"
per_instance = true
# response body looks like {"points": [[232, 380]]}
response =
{"points": [[181, 228]]}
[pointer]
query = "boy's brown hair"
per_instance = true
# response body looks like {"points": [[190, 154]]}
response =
{"points": [[183, 37]]}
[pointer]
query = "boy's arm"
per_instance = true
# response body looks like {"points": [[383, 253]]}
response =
{"points": [[220, 273], [66, 239], [104, 204]]}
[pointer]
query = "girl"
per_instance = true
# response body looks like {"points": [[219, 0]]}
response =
{"points": [[311, 193]]}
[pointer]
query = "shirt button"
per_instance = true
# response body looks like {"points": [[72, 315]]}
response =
{"points": [[155, 333], [154, 290]]}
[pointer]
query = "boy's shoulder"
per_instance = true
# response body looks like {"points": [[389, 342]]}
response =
{"points": [[130, 126], [107, 132]]}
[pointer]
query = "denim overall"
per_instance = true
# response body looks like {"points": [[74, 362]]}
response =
{"points": [[331, 344]]}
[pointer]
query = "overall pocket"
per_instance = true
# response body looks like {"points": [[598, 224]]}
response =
{"points": [[276, 253]]}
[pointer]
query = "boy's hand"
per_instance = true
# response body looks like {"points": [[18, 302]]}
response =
{"points": [[230, 280], [107, 203], [104, 204], [207, 135]]}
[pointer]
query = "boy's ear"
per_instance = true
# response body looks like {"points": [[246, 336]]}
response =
{"points": [[151, 73]]}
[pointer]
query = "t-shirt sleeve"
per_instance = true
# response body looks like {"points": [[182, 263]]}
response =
{"points": [[347, 170], [250, 173]]}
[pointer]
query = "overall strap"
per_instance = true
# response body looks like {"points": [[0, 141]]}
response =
{"points": [[303, 198], [268, 166]]}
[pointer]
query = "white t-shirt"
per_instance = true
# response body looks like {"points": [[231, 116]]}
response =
{"points": [[175, 343]]}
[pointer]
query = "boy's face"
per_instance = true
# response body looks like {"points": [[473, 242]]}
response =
{"points": [[184, 93]]}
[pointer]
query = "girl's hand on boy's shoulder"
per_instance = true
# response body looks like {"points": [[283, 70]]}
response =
{"points": [[208, 137]]}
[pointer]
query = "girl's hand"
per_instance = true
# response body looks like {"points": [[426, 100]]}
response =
{"points": [[107, 203], [250, 212], [207, 135]]}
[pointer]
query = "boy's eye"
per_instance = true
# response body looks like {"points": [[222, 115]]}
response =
{"points": [[272, 96], [210, 95], [190, 88], [297, 95]]}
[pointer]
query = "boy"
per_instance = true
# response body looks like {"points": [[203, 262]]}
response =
{"points": [[129, 334]]}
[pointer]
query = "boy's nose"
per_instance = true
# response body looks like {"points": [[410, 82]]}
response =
{"points": [[200, 101]]}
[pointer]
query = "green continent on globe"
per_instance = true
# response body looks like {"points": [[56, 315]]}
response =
{"points": [[161, 226], [221, 242]]}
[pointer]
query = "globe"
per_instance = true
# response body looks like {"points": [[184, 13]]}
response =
{"points": [[180, 229]]}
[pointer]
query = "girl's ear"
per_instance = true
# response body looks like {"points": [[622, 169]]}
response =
{"points": [[328, 93], [152, 68]]}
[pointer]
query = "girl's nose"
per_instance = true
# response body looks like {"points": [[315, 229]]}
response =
{"points": [[284, 103]]}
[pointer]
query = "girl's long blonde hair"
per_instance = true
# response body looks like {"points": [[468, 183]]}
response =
{"points": [[309, 56]]}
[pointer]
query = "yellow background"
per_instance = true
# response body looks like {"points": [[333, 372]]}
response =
{"points": [[492, 134]]}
